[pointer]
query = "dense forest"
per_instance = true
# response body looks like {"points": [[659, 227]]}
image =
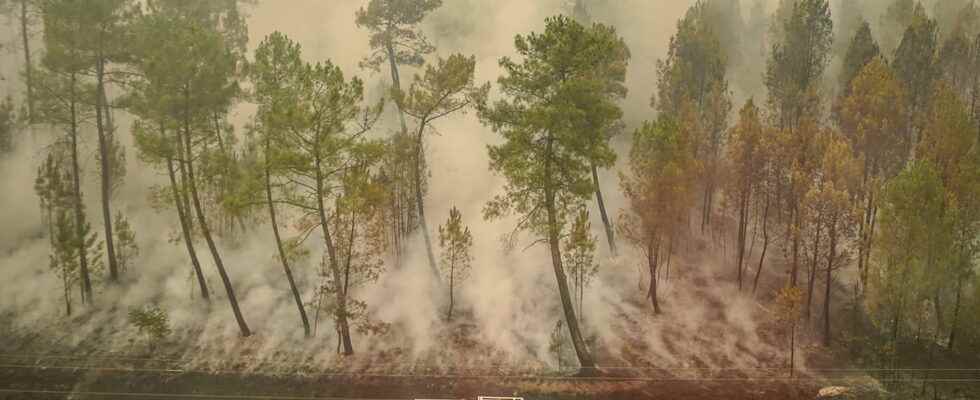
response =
{"points": [[799, 177]]}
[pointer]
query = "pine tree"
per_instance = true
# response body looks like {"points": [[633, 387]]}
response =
{"points": [[188, 68], [694, 73], [128, 249], [747, 156], [862, 49], [546, 155], [915, 66], [397, 40], [788, 303], [456, 242], [277, 74], [8, 127], [615, 73], [800, 54], [579, 249], [659, 188], [321, 151], [445, 88], [872, 119], [25, 13], [61, 95]]}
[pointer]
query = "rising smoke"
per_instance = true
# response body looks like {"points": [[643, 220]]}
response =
{"points": [[510, 298]]}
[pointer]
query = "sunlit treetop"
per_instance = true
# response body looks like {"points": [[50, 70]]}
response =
{"points": [[556, 93], [394, 31]]}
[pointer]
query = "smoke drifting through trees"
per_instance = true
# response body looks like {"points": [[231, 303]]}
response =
{"points": [[306, 214]]}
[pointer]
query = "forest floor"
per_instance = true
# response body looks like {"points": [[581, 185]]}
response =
{"points": [[712, 341]]}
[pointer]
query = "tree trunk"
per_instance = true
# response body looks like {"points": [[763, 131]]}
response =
{"points": [[343, 325], [586, 362], [792, 349], [863, 225], [743, 227], [870, 244], [185, 230], [67, 293], [396, 83], [206, 232], [867, 226], [580, 288], [652, 261], [956, 315], [28, 66], [77, 199], [706, 203], [610, 237], [895, 323], [106, 169], [826, 293], [452, 282], [184, 198], [937, 306], [420, 200], [812, 277], [279, 246], [797, 227], [765, 245], [402, 210]]}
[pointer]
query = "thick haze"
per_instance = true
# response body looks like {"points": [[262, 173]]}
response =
{"points": [[512, 296]]}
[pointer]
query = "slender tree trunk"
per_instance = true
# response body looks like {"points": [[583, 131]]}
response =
{"points": [[743, 227], [420, 200], [77, 198], [765, 245], [826, 293], [862, 225], [706, 202], [106, 169], [610, 236], [403, 211], [797, 227], [812, 277], [867, 230], [279, 246], [792, 349], [895, 322], [871, 238], [182, 168], [343, 325], [452, 282], [580, 288], [185, 230], [396, 83], [28, 66], [587, 363], [652, 261], [66, 291], [350, 257], [956, 315], [206, 231], [937, 306]]}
